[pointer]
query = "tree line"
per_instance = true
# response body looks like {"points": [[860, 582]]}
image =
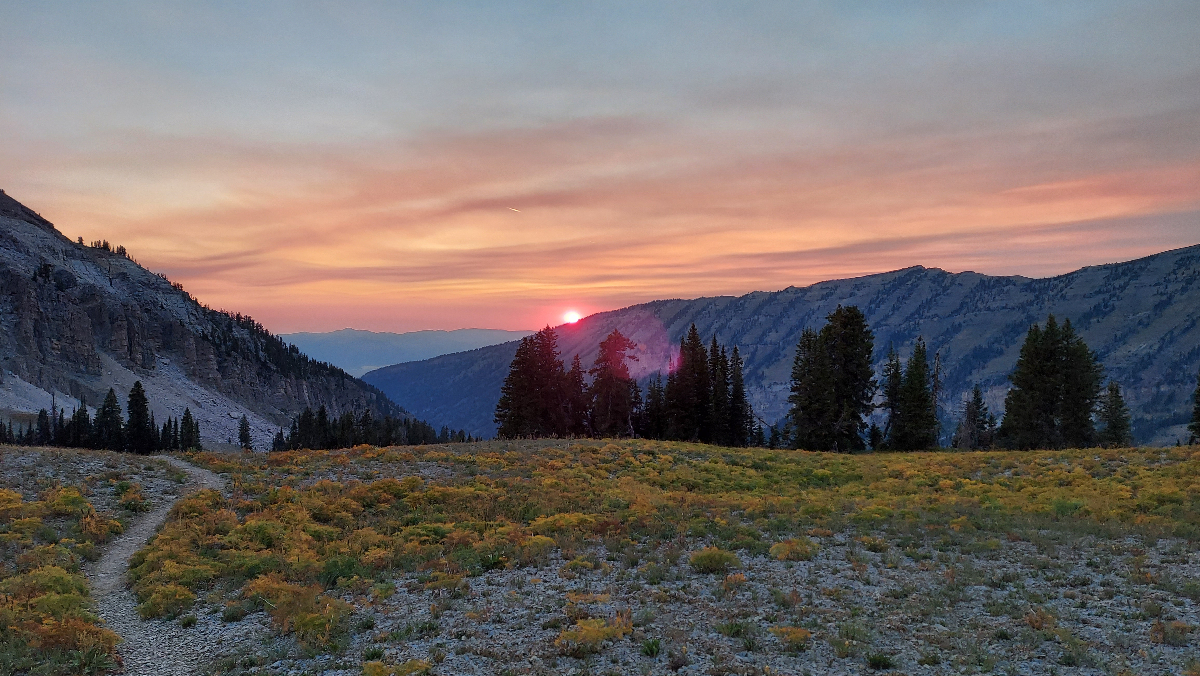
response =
{"points": [[703, 399], [1057, 398], [136, 431], [318, 430]]}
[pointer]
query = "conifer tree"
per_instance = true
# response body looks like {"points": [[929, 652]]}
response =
{"points": [[741, 416], [139, 435], [613, 391], [688, 392], [1082, 378], [810, 400], [1055, 386], [244, 439], [916, 424], [579, 422], [893, 378], [45, 435], [654, 422], [189, 431], [1114, 415], [108, 428], [976, 429], [720, 430], [833, 384], [533, 401]]}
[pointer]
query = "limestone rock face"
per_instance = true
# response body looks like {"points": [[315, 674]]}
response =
{"points": [[76, 320], [1141, 317]]}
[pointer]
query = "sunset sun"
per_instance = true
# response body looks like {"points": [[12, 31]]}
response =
{"points": [[571, 316]]}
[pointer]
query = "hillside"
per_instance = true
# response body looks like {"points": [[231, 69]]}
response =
{"points": [[1140, 317], [76, 320], [357, 351]]}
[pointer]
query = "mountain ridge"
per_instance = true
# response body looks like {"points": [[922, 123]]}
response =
{"points": [[1140, 316], [358, 351], [77, 319]]}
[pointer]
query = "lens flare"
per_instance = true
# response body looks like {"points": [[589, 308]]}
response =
{"points": [[571, 316]]}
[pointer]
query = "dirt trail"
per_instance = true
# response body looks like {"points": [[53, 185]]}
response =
{"points": [[151, 647]]}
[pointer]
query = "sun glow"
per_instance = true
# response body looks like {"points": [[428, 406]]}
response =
{"points": [[571, 316]]}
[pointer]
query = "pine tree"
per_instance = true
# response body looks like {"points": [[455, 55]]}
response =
{"points": [[688, 392], [139, 435], [1082, 376], [893, 378], [833, 384], [244, 439], [1114, 414], [741, 415], [613, 391], [189, 431], [578, 414], [533, 401], [850, 344], [45, 435], [1055, 386], [108, 428], [720, 429], [976, 429], [916, 424], [79, 432], [811, 397], [654, 423]]}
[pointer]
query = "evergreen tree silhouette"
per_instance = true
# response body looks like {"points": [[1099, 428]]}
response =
{"points": [[244, 434], [613, 392], [1055, 386], [139, 433], [916, 424], [1114, 415], [108, 428], [976, 429]]}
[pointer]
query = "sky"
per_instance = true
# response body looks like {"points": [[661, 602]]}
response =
{"points": [[399, 166]]}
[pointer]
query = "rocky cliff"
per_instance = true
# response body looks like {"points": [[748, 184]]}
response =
{"points": [[76, 319], [1139, 316]]}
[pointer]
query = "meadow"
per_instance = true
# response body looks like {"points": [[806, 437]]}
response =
{"points": [[634, 556], [58, 508]]}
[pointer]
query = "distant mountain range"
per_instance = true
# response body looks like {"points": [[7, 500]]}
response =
{"points": [[76, 320], [357, 352], [1141, 317]]}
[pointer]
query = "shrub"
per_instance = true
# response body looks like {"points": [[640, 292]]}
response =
{"points": [[166, 601], [1173, 633], [535, 550], [587, 636], [337, 567], [133, 500], [96, 528], [801, 549], [713, 560], [651, 647], [187, 621], [794, 639], [880, 661]]}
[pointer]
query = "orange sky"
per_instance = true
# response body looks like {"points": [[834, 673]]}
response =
{"points": [[480, 181]]}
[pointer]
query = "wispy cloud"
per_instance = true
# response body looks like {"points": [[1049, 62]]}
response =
{"points": [[497, 184]]}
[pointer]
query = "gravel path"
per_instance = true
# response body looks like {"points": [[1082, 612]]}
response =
{"points": [[153, 647]]}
